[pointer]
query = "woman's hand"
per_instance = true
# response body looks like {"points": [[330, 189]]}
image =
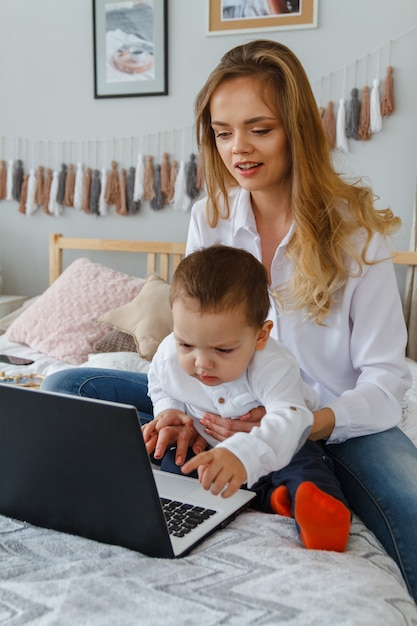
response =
{"points": [[324, 423], [172, 427], [223, 427]]}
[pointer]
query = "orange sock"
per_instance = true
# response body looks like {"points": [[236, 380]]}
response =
{"points": [[324, 521], [280, 501]]}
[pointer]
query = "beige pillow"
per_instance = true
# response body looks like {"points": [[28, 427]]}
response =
{"points": [[147, 317]]}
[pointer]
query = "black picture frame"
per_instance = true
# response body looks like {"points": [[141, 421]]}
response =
{"points": [[130, 43]]}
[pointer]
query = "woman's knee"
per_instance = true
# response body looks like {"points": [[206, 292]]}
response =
{"points": [[63, 381], [104, 384], [384, 461]]}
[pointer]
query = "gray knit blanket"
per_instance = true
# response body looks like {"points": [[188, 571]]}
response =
{"points": [[254, 571]]}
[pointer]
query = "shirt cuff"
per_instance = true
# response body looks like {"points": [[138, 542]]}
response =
{"points": [[342, 427]]}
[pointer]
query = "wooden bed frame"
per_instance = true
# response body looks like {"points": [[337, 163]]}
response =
{"points": [[404, 257], [162, 257]]}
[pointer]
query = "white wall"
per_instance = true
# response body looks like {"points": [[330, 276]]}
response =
{"points": [[46, 71]]}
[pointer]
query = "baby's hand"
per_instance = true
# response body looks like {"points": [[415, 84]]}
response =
{"points": [[218, 470]]}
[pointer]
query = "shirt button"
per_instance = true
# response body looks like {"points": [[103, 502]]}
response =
{"points": [[293, 408], [221, 400]]}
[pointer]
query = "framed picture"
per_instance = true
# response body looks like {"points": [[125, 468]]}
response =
{"points": [[130, 48], [227, 17]]}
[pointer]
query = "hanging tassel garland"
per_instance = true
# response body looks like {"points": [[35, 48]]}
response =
{"points": [[375, 108], [60, 194], [181, 201], [172, 178], [86, 191], [95, 189], [9, 180], [121, 207], [158, 201], [53, 205], [31, 192], [23, 193], [102, 204], [329, 123], [112, 185], [40, 182], [191, 178], [131, 204], [171, 182], [78, 187], [148, 190], [352, 115], [17, 179], [69, 186], [47, 190], [387, 101], [139, 178], [364, 132], [341, 139], [166, 176], [3, 180]]}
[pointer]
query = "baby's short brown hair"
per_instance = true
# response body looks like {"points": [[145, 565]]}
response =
{"points": [[222, 278]]}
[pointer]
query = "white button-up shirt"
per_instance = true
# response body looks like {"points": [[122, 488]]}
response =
{"points": [[272, 380], [355, 361]]}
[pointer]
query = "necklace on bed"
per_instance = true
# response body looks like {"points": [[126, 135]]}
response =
{"points": [[23, 380]]}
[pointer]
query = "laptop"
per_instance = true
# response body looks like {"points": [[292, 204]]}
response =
{"points": [[80, 466]]}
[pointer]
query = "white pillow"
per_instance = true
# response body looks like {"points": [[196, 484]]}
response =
{"points": [[8, 319], [60, 322], [130, 361]]}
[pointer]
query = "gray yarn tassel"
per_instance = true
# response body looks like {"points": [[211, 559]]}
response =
{"points": [[95, 191], [158, 201], [352, 117], [60, 194], [191, 178], [17, 180], [133, 205]]}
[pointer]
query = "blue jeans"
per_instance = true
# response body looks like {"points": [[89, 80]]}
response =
{"points": [[104, 384], [378, 473]]}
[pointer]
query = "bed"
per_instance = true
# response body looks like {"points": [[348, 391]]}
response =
{"points": [[254, 571]]}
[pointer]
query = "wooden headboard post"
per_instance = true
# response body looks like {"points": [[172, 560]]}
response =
{"points": [[404, 257], [162, 257], [55, 257]]}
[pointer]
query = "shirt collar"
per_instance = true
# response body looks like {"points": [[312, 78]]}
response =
{"points": [[243, 217], [288, 236]]}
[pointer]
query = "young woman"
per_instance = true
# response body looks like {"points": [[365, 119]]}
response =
{"points": [[272, 190]]}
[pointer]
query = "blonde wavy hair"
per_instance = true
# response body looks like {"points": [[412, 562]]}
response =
{"points": [[327, 210]]}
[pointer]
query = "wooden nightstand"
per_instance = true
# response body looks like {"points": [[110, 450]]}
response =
{"points": [[8, 304]]}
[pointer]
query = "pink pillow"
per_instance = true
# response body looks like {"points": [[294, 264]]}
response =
{"points": [[60, 322]]}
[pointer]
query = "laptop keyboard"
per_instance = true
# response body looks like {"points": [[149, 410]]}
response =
{"points": [[181, 517]]}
